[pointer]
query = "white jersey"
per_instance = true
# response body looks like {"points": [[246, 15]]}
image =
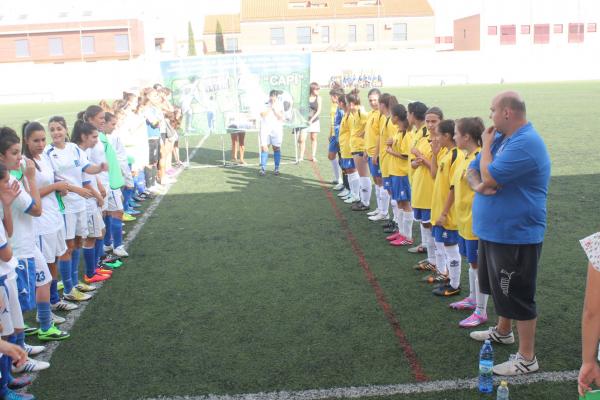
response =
{"points": [[68, 165], [97, 155], [270, 120], [91, 203], [9, 266], [51, 219], [23, 238]]}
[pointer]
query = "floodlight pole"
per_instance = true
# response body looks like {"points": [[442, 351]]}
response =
{"points": [[295, 130]]}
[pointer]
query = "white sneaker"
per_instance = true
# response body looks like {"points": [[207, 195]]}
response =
{"points": [[372, 213], [339, 186], [30, 365], [493, 335], [516, 365], [351, 200], [33, 350], [120, 252], [379, 217], [344, 193], [64, 306], [56, 319], [107, 249], [76, 295]]}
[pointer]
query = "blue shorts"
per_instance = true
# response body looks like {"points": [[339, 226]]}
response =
{"points": [[468, 249], [400, 188], [348, 163], [387, 183], [375, 170], [26, 283], [444, 235], [422, 214], [334, 145]]}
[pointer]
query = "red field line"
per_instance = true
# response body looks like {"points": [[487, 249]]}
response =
{"points": [[409, 353]]}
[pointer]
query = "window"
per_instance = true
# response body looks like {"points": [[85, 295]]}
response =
{"points": [[22, 48], [351, 33], [576, 33], [541, 34], [370, 33], [55, 46], [558, 28], [492, 30], [277, 36], [448, 39], [88, 45], [399, 32], [591, 27], [324, 34], [508, 34], [303, 34], [231, 45], [122, 43], [525, 29]]}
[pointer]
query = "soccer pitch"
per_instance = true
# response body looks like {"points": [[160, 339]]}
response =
{"points": [[244, 285]]}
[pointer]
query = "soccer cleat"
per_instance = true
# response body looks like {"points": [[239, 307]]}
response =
{"points": [[424, 265], [420, 249], [465, 304], [12, 395], [30, 330], [60, 285], [391, 228], [52, 334], [84, 287], [128, 217], [261, 172], [516, 365], [109, 258], [96, 278], [493, 335], [131, 211], [373, 213], [120, 252], [56, 319], [338, 186], [33, 350], [446, 290], [351, 200], [359, 207], [103, 271], [378, 217], [394, 236], [401, 242], [19, 382], [63, 306], [276, 172], [344, 193], [436, 277], [107, 249], [30, 365], [473, 320], [111, 265], [76, 295]]}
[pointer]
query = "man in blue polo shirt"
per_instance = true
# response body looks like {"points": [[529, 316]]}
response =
{"points": [[510, 177]]}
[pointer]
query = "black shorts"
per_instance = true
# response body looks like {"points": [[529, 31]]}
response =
{"points": [[508, 273], [153, 151]]}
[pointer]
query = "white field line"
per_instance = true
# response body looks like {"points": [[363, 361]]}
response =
{"points": [[74, 315], [382, 390], [232, 165]]}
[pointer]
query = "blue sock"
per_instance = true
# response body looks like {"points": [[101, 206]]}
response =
{"points": [[44, 315], [107, 230], [75, 266], [140, 182], [127, 194], [277, 158], [99, 250], [20, 339], [5, 363], [64, 266], [89, 256], [117, 232], [264, 156], [54, 297]]}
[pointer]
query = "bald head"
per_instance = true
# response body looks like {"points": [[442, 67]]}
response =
{"points": [[511, 100]]}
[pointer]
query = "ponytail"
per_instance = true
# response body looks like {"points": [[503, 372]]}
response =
{"points": [[27, 129], [81, 128]]}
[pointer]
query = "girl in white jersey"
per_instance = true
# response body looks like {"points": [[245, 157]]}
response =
{"points": [[69, 163]]}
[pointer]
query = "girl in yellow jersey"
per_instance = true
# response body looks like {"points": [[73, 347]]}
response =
{"points": [[359, 181], [445, 230], [386, 130], [347, 163], [371, 142], [398, 148], [467, 136]]}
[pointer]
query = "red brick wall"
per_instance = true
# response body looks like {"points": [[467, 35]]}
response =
{"points": [[467, 33]]}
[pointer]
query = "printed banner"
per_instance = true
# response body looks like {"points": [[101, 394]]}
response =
{"points": [[219, 94]]}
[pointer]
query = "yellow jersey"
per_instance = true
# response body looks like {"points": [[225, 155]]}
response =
{"points": [[414, 137], [344, 138], [422, 181], [372, 132], [398, 166], [357, 131], [463, 197], [388, 130], [443, 183]]}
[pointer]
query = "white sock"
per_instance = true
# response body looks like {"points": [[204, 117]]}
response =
{"points": [[385, 202], [365, 190], [354, 182], [428, 243], [336, 170], [394, 211], [440, 258], [482, 299], [378, 197], [407, 224], [472, 283], [453, 262]]}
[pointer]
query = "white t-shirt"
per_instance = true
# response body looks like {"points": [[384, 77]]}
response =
{"points": [[270, 120], [68, 165], [97, 155], [51, 219], [23, 238], [9, 266], [91, 203]]}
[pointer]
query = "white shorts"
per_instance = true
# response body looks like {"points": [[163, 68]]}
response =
{"points": [[12, 318], [42, 272], [126, 171], [76, 225], [113, 200], [95, 223], [273, 137], [315, 127], [52, 245]]}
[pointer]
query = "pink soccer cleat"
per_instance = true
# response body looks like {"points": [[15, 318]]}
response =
{"points": [[474, 320]]}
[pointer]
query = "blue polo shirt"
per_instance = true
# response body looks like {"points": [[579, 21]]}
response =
{"points": [[337, 120], [516, 214]]}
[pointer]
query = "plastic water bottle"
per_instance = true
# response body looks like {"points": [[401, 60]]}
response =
{"points": [[486, 365], [502, 393]]}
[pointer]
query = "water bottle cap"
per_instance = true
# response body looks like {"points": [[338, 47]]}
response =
{"points": [[487, 341], [503, 383]]}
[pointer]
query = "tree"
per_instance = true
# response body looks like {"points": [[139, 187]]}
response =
{"points": [[191, 41], [219, 43]]}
